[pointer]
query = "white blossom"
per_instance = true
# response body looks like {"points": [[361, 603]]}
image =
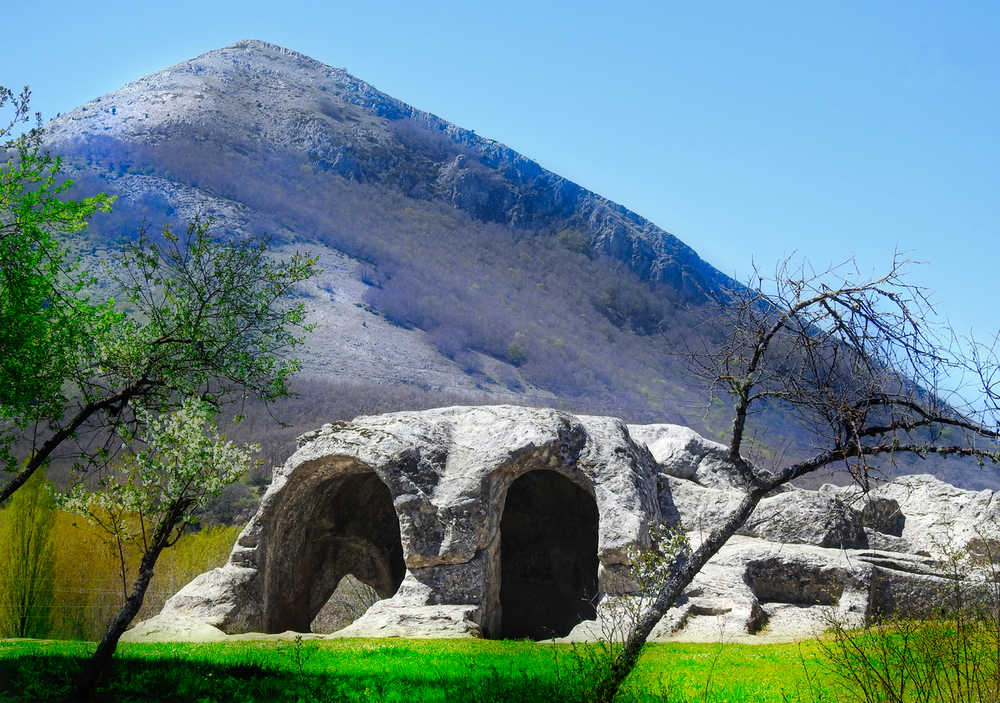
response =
{"points": [[184, 460]]}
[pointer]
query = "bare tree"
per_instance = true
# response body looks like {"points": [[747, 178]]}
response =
{"points": [[857, 360]]}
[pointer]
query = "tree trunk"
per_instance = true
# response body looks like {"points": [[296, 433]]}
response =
{"points": [[115, 403], [105, 650], [626, 660], [682, 578]]}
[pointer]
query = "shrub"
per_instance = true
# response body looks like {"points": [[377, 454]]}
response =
{"points": [[948, 653]]}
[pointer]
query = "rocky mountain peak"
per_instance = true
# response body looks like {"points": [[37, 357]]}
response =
{"points": [[251, 89], [253, 94]]}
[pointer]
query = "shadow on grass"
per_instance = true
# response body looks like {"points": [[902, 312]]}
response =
{"points": [[250, 677]]}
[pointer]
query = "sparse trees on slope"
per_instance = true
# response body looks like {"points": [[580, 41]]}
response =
{"points": [[858, 362]]}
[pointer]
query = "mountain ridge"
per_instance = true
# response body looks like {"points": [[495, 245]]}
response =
{"points": [[197, 92]]}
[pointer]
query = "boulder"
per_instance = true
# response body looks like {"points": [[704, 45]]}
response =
{"points": [[389, 619], [807, 517], [683, 453], [931, 516], [504, 521]]}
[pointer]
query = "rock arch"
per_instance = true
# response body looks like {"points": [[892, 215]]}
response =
{"points": [[411, 503], [328, 526], [548, 556]]}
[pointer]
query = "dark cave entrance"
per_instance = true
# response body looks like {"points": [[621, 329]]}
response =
{"points": [[349, 528], [548, 557]]}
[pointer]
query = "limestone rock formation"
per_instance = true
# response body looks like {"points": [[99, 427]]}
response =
{"points": [[503, 521]]}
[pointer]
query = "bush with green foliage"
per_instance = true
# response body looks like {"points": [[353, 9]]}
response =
{"points": [[199, 316]]}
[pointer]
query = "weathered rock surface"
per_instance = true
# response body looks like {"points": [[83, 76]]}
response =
{"points": [[503, 521], [806, 517], [683, 453]]}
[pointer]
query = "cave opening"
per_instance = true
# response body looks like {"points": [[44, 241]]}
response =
{"points": [[350, 528], [548, 557]]}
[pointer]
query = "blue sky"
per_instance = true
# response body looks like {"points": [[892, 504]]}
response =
{"points": [[751, 131]]}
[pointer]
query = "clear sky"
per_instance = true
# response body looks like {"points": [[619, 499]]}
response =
{"points": [[750, 130]]}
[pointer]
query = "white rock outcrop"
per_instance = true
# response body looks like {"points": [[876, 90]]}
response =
{"points": [[504, 521]]}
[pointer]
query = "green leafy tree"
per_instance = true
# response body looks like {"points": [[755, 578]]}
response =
{"points": [[27, 561], [183, 463], [201, 321], [203, 317], [44, 315], [199, 315]]}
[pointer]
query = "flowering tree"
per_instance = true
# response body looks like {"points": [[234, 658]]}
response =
{"points": [[183, 462]]}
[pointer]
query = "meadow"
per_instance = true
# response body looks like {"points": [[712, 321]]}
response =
{"points": [[415, 670]]}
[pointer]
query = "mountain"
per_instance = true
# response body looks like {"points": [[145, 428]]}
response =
{"points": [[404, 208], [455, 269], [259, 94]]}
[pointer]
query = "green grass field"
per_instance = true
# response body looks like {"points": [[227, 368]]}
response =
{"points": [[412, 670]]}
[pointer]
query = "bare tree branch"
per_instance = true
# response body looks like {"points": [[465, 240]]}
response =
{"points": [[856, 359]]}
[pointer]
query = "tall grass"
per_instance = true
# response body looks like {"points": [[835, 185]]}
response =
{"points": [[936, 659], [88, 583], [944, 648]]}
